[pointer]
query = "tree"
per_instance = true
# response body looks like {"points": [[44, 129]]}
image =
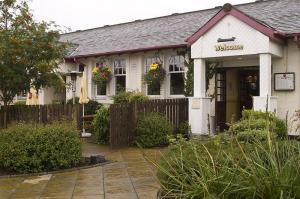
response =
{"points": [[30, 51]]}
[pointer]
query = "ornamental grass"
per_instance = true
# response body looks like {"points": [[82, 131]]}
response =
{"points": [[225, 168]]}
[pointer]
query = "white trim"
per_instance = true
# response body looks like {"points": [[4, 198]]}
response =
{"points": [[100, 96]]}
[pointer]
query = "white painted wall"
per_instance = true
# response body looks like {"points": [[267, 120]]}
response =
{"points": [[253, 41], [288, 101], [135, 68]]}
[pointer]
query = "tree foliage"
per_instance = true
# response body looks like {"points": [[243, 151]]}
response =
{"points": [[29, 51]]}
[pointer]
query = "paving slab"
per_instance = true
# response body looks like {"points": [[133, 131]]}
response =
{"points": [[131, 176]]}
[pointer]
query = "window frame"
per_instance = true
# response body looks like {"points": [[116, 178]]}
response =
{"points": [[96, 91], [182, 69], [146, 69], [119, 66]]}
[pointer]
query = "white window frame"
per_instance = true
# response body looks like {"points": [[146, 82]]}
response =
{"points": [[100, 96], [120, 64], [146, 69], [182, 69]]}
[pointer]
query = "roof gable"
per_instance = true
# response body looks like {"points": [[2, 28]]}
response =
{"points": [[228, 9]]}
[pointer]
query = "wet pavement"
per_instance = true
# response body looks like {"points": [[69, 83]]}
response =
{"points": [[130, 177]]}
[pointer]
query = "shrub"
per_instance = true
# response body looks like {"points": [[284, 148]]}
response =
{"points": [[138, 97], [27, 148], [70, 101], [253, 135], [101, 124], [90, 108], [21, 102], [185, 129], [127, 97], [257, 121], [224, 168], [153, 130]]}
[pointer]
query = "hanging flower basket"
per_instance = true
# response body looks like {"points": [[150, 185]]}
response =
{"points": [[101, 74], [155, 75]]}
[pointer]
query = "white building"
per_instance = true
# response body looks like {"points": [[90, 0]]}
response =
{"points": [[252, 52]]}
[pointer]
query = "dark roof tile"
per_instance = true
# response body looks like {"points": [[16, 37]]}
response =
{"points": [[282, 15]]}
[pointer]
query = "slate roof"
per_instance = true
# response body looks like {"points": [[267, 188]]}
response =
{"points": [[173, 30]]}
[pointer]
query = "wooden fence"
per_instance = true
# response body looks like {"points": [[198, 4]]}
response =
{"points": [[40, 114], [124, 117]]}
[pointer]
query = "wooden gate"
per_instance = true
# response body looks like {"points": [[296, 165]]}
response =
{"points": [[124, 117]]}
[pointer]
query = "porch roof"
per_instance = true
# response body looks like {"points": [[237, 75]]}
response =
{"points": [[173, 30]]}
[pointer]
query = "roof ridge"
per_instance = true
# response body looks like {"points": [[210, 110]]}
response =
{"points": [[165, 16]]}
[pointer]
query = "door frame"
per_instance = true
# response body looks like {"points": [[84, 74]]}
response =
{"points": [[220, 105], [224, 70]]}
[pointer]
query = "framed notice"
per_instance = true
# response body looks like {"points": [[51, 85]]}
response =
{"points": [[284, 81]]}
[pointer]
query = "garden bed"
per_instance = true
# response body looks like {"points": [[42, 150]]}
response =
{"points": [[85, 163]]}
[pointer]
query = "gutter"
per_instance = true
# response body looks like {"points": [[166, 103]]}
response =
{"points": [[74, 58]]}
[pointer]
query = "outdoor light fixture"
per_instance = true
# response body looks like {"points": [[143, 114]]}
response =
{"points": [[226, 40], [73, 75]]}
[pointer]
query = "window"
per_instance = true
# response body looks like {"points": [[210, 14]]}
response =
{"points": [[101, 89], [152, 89], [177, 72], [81, 67], [120, 75]]}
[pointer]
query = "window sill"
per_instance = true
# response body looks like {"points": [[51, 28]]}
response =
{"points": [[154, 96], [177, 96], [101, 97]]}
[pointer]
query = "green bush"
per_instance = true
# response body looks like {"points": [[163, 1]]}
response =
{"points": [[127, 97], [101, 125], [185, 129], [90, 108], [253, 135], [70, 101], [224, 168], [153, 130], [27, 148], [257, 121], [21, 102]]}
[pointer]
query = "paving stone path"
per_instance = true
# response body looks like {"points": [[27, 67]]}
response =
{"points": [[130, 177]]}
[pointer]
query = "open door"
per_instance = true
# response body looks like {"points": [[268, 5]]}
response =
{"points": [[220, 100], [248, 87]]}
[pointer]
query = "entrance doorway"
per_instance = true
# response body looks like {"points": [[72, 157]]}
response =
{"points": [[235, 88]]}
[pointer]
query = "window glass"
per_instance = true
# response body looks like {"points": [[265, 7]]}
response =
{"points": [[176, 70], [81, 68], [176, 64], [152, 89], [177, 83], [101, 89], [149, 61], [120, 84], [120, 67]]}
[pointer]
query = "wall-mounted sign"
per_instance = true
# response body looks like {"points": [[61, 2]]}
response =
{"points": [[226, 47], [196, 103], [284, 81]]}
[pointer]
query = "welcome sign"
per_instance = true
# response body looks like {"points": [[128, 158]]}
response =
{"points": [[226, 47]]}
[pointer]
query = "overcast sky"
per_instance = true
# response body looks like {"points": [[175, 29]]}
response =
{"points": [[83, 14]]}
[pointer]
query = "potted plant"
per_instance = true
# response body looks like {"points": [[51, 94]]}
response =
{"points": [[101, 74], [155, 75]]}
